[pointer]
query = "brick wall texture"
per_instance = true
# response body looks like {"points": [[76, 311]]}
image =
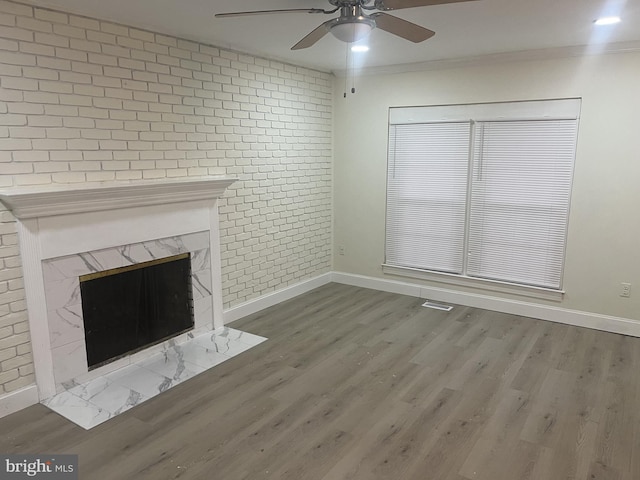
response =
{"points": [[83, 100]]}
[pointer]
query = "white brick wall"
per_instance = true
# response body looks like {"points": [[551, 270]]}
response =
{"points": [[16, 366], [84, 100]]}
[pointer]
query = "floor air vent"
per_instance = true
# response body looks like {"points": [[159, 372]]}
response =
{"points": [[437, 306]]}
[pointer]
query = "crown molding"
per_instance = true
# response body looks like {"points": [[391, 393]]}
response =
{"points": [[51, 200], [495, 58]]}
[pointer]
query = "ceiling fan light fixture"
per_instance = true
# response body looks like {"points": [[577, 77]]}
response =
{"points": [[350, 32], [607, 21]]}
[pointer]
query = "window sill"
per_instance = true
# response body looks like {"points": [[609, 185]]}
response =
{"points": [[472, 282]]}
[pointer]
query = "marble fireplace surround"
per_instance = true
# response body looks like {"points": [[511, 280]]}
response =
{"points": [[66, 231]]}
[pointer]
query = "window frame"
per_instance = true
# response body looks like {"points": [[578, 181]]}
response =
{"points": [[555, 109]]}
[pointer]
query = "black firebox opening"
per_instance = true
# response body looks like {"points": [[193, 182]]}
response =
{"points": [[130, 308]]}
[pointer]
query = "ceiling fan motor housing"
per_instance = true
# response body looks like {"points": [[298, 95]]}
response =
{"points": [[352, 25]]}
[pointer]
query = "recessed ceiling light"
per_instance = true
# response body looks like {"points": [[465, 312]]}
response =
{"points": [[607, 21], [359, 48]]}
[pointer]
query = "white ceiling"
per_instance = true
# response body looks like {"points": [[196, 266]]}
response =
{"points": [[463, 30]]}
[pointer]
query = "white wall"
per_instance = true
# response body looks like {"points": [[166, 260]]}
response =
{"points": [[83, 100], [604, 223]]}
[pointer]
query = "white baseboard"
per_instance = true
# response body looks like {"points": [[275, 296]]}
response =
{"points": [[271, 299], [14, 401], [392, 286], [607, 323]]}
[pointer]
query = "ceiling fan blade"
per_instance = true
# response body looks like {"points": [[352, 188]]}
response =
{"points": [[399, 4], [313, 37], [402, 28], [267, 12]]}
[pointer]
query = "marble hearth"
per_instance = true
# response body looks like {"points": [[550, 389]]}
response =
{"points": [[95, 401], [70, 231]]}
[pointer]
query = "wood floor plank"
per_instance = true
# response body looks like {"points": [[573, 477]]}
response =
{"points": [[501, 430], [401, 456], [355, 461], [366, 385]]}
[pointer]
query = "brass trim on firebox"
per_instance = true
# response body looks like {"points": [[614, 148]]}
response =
{"points": [[129, 268]]}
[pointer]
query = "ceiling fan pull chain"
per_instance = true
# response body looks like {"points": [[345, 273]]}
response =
{"points": [[346, 69], [352, 73], [353, 77]]}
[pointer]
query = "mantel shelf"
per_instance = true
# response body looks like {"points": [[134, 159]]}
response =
{"points": [[50, 200]]}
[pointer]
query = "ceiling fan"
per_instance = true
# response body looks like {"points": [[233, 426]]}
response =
{"points": [[354, 24]]}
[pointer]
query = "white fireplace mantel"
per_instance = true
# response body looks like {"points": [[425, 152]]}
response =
{"points": [[44, 201], [55, 221]]}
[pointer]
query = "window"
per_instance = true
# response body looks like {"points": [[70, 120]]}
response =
{"points": [[482, 190]]}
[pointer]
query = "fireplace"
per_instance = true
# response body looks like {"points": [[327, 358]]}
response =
{"points": [[128, 309], [69, 231], [70, 281]]}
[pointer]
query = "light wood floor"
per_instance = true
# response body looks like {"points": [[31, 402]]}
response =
{"points": [[358, 384]]}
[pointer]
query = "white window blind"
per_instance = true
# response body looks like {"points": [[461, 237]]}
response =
{"points": [[482, 190], [427, 195], [521, 188]]}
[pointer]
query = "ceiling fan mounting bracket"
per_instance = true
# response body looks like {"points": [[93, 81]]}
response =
{"points": [[350, 13], [348, 3]]}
